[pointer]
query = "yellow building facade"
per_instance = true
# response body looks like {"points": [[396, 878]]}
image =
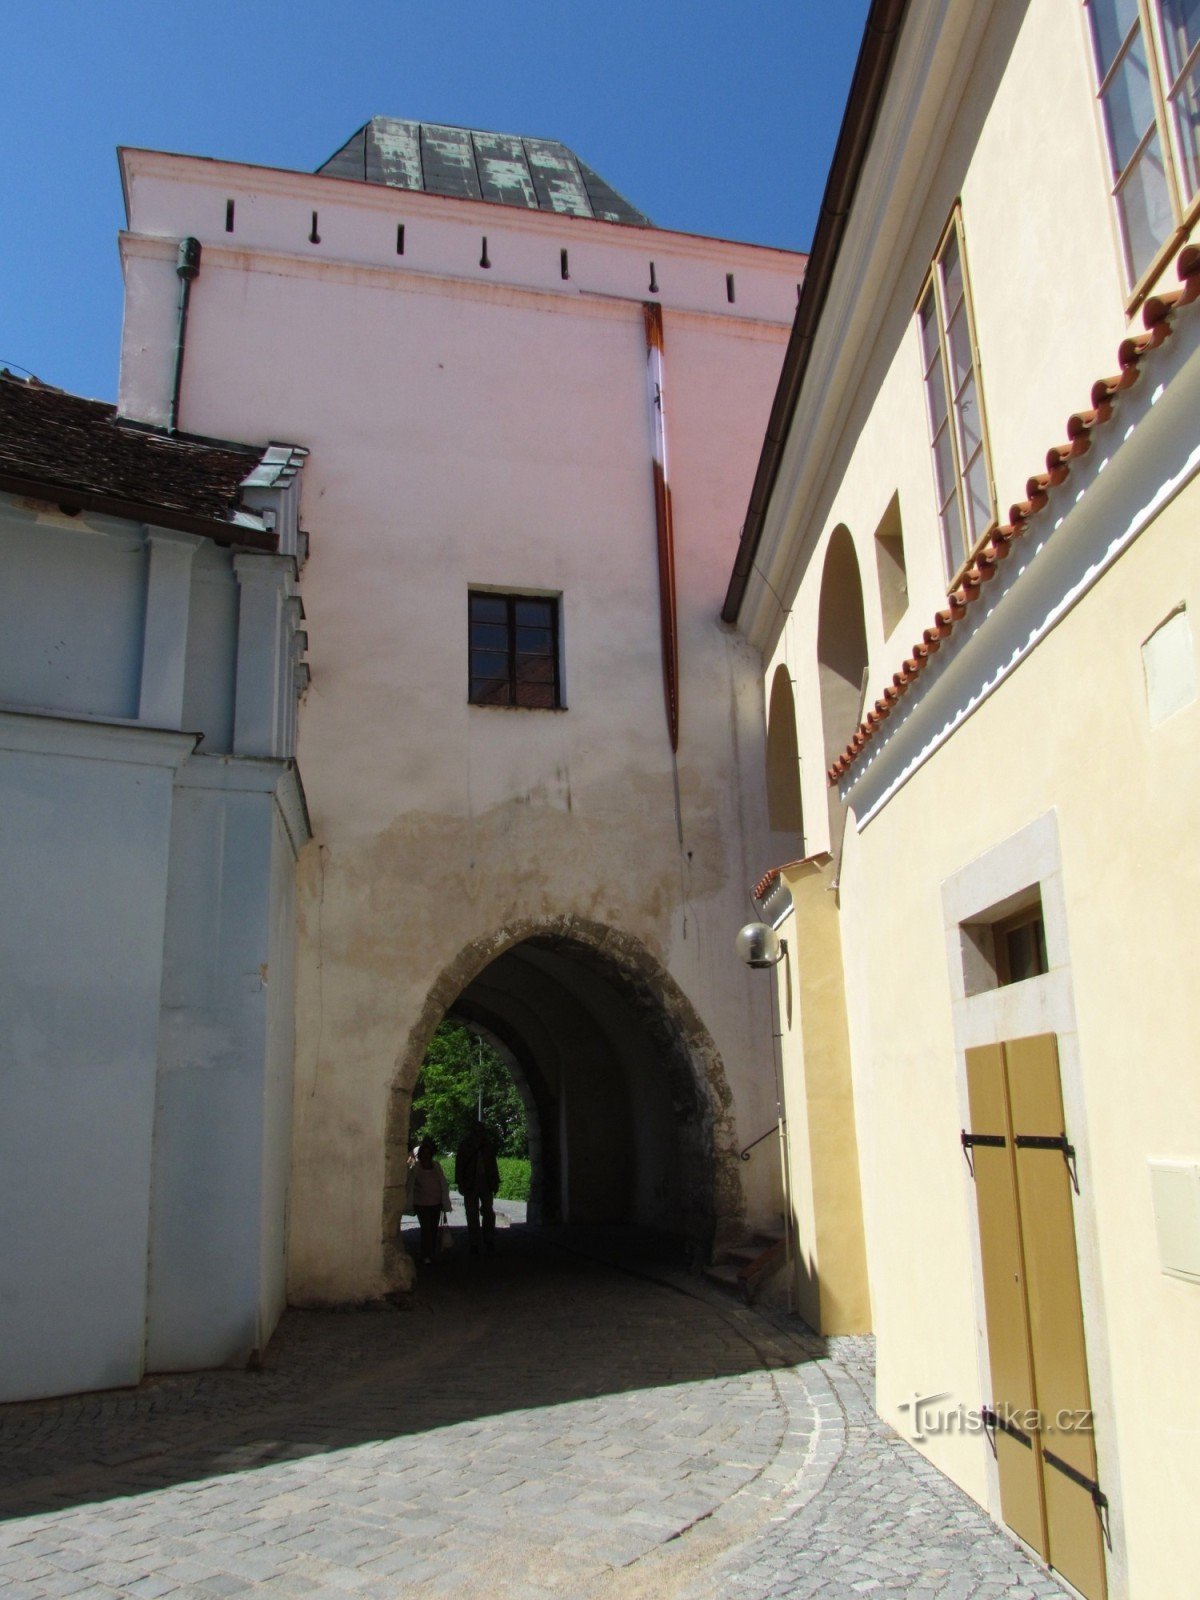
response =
{"points": [[971, 567]]}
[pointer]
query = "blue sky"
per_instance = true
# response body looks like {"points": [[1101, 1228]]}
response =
{"points": [[712, 117]]}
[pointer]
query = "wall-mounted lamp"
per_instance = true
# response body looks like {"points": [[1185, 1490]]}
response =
{"points": [[759, 945]]}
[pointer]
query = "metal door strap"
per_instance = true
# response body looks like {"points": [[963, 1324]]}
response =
{"points": [[993, 1419], [1051, 1141], [996, 1140], [1099, 1498]]}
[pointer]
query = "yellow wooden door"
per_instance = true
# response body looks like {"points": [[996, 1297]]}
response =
{"points": [[1041, 1404], [1014, 1397]]}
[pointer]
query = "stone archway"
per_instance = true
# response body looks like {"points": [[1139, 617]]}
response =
{"points": [[632, 1102]]}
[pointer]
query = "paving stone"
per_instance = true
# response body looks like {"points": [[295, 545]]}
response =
{"points": [[534, 1425]]}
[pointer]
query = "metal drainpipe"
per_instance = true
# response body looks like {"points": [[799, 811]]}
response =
{"points": [[187, 267]]}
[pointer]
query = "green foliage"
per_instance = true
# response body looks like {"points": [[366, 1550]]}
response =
{"points": [[457, 1066], [514, 1178]]}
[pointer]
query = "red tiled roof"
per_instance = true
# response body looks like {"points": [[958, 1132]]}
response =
{"points": [[79, 452], [1156, 316], [768, 881]]}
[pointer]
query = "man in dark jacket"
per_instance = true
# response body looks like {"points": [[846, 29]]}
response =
{"points": [[477, 1178]]}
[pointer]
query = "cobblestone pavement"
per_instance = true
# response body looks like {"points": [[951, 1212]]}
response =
{"points": [[528, 1425]]}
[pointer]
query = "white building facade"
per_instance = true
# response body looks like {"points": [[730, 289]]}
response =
{"points": [[149, 667]]}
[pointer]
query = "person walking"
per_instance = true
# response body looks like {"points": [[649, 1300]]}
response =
{"points": [[430, 1198], [477, 1178]]}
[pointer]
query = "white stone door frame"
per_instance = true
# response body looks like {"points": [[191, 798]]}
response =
{"points": [[1029, 862]]}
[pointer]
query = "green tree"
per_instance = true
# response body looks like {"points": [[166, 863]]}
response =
{"points": [[457, 1066]]}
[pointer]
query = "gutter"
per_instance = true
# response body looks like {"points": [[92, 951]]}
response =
{"points": [[884, 22], [71, 501]]}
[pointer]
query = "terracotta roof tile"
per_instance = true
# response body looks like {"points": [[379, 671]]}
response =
{"points": [[1156, 317], [76, 447]]}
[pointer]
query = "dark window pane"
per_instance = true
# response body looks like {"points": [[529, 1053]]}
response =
{"points": [[538, 640], [929, 333], [538, 612], [959, 340], [952, 278], [487, 692], [489, 663], [1186, 109], [489, 608], [535, 669], [536, 695], [1128, 106], [1181, 32], [943, 459], [935, 390], [489, 636]]}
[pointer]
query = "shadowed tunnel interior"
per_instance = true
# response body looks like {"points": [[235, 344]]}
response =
{"points": [[620, 1130]]}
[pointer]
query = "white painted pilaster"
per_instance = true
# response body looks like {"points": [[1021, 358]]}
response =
{"points": [[164, 649], [263, 585]]}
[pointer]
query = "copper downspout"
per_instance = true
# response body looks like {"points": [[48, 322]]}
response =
{"points": [[866, 94], [668, 614]]}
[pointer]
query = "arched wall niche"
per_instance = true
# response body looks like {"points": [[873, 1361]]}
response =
{"points": [[785, 810], [833, 1295], [841, 643], [841, 656], [633, 1107]]}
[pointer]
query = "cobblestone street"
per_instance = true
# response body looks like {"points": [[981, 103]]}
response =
{"points": [[531, 1424]]}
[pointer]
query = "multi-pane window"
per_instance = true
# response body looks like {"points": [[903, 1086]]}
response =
{"points": [[513, 650], [962, 477], [1148, 67]]}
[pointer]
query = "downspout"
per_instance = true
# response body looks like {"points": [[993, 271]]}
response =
{"points": [[664, 522], [187, 267]]}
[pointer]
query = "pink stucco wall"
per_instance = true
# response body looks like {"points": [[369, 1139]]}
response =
{"points": [[481, 427]]}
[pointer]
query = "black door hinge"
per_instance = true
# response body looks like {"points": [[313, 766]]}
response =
{"points": [[969, 1140], [1099, 1498], [1051, 1141]]}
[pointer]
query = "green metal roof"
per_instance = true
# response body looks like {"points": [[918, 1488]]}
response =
{"points": [[469, 164]]}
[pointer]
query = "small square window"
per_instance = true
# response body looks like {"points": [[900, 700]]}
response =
{"points": [[513, 651], [1005, 945], [1020, 945]]}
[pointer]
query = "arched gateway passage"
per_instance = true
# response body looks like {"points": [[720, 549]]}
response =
{"points": [[629, 1105]]}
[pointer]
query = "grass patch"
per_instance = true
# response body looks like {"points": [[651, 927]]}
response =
{"points": [[514, 1176]]}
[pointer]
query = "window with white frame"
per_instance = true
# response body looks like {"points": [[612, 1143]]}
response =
{"points": [[1147, 56], [961, 470]]}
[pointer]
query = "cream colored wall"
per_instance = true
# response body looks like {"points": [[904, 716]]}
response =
{"points": [[1125, 798], [1068, 733]]}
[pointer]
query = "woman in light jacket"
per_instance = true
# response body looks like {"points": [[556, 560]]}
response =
{"points": [[430, 1197]]}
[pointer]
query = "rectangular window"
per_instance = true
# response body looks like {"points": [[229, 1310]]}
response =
{"points": [[513, 650], [961, 472], [1147, 59]]}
